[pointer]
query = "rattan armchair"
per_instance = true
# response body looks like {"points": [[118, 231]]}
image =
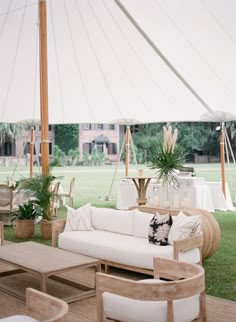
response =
{"points": [[6, 204]]}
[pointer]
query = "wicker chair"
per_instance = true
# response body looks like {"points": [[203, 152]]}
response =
{"points": [[6, 204], [69, 194], [180, 299], [41, 307]]}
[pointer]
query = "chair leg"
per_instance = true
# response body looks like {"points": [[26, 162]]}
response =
{"points": [[107, 269], [71, 201], [55, 212]]}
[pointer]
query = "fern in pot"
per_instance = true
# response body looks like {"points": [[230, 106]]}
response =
{"points": [[167, 159]]}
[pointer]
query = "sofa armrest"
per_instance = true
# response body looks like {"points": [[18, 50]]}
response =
{"points": [[1, 233], [185, 244], [57, 227]]}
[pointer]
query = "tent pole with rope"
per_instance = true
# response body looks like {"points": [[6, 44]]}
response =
{"points": [[127, 142], [43, 86], [222, 157]]}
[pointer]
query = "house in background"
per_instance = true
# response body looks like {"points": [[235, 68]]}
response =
{"points": [[17, 151], [104, 138]]}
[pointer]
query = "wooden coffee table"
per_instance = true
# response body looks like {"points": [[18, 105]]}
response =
{"points": [[46, 261]]}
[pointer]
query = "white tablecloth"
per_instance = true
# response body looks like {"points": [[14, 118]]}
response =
{"points": [[217, 196], [193, 193]]}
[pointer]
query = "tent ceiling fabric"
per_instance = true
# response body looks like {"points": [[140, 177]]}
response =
{"points": [[101, 69]]}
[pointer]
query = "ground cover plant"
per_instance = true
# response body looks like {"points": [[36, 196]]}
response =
{"points": [[93, 185]]}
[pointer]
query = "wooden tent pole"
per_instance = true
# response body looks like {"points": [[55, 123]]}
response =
{"points": [[31, 151], [127, 155], [222, 157], [43, 85]]}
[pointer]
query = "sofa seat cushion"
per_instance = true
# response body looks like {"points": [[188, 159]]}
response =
{"points": [[124, 309], [118, 248], [18, 318]]}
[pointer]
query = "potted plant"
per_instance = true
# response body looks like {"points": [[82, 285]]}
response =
{"points": [[38, 190], [24, 220], [168, 160]]}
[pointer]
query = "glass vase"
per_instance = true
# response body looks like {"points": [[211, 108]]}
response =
{"points": [[166, 195]]}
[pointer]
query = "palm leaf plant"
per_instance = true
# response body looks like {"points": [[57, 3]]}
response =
{"points": [[38, 190], [168, 158]]}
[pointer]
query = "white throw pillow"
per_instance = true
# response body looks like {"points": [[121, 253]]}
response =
{"points": [[184, 226], [78, 219]]}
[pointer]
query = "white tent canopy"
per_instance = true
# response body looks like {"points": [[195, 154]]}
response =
{"points": [[101, 69]]}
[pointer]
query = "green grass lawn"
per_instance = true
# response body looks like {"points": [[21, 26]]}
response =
{"points": [[93, 185], [221, 267]]}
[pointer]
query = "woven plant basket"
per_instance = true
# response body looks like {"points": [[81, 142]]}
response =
{"points": [[46, 229], [24, 228]]}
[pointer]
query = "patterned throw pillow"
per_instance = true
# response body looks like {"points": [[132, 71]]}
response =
{"points": [[78, 219], [159, 228]]}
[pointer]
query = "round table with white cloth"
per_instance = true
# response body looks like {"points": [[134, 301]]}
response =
{"points": [[192, 193]]}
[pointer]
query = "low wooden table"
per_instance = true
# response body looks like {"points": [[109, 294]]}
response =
{"points": [[46, 261]]}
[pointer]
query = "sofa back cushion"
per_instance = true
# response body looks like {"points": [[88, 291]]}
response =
{"points": [[116, 221], [184, 226], [78, 219], [141, 223]]}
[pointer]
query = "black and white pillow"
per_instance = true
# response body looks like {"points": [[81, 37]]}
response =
{"points": [[159, 228]]}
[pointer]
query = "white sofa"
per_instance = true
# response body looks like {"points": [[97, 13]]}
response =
{"points": [[120, 238]]}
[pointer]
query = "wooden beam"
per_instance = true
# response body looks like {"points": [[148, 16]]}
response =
{"points": [[127, 155], [222, 158], [43, 85], [31, 151]]}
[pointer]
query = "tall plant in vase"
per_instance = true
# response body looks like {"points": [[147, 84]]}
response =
{"points": [[167, 159], [39, 190]]}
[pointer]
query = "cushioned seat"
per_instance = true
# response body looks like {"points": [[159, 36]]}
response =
{"points": [[120, 248], [18, 318], [124, 238], [118, 308], [154, 300]]}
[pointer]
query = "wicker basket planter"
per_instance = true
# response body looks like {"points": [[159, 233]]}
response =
{"points": [[24, 228], [46, 229]]}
